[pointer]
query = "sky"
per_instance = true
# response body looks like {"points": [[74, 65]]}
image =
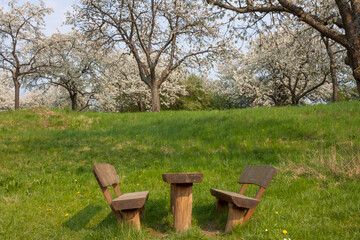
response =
{"points": [[55, 20]]}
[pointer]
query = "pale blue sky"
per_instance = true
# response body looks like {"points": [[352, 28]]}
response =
{"points": [[54, 20]]}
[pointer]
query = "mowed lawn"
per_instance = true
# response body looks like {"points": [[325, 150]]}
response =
{"points": [[48, 191]]}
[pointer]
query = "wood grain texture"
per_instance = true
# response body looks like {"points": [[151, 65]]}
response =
{"points": [[108, 198], [130, 200], [142, 212], [117, 190], [260, 175], [182, 206], [235, 217], [258, 196], [132, 217], [243, 188], [221, 205], [183, 177], [132, 205], [172, 195], [106, 174], [237, 199], [240, 206]]}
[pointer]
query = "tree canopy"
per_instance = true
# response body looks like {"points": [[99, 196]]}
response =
{"points": [[21, 41], [335, 19], [161, 35], [139, 55]]}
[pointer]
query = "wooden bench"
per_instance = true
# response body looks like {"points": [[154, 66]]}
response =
{"points": [[131, 205], [241, 207]]}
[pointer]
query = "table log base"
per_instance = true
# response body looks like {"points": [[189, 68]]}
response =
{"points": [[181, 197]]}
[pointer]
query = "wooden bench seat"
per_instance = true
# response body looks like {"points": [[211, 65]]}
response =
{"points": [[131, 205], [130, 200], [238, 200], [241, 207]]}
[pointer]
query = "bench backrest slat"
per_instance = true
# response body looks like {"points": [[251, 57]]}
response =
{"points": [[259, 175], [106, 174]]}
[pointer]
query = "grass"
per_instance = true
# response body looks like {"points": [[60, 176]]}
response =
{"points": [[48, 191]]}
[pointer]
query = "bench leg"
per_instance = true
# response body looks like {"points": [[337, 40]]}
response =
{"points": [[132, 217], [172, 197], [248, 214], [221, 205], [142, 212], [117, 215], [235, 217]]}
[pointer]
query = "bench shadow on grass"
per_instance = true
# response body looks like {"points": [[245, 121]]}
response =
{"points": [[82, 218], [110, 220], [154, 220], [157, 212], [209, 221]]}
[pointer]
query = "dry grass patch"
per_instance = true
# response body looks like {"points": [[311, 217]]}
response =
{"points": [[120, 146], [167, 150], [322, 165]]}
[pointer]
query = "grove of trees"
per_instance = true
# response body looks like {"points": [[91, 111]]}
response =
{"points": [[337, 20], [172, 54], [21, 42]]}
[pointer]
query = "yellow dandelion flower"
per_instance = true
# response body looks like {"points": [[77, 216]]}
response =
{"points": [[137, 184], [66, 214], [75, 180], [284, 232], [78, 192], [276, 213]]}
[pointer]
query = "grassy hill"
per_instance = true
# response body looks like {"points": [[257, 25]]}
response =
{"points": [[47, 189]]}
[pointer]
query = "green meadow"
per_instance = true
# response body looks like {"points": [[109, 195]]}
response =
{"points": [[48, 191]]}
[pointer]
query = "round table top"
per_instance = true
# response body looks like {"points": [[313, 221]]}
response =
{"points": [[183, 177]]}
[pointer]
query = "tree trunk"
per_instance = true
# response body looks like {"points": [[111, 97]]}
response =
{"points": [[334, 83], [294, 100], [332, 69], [356, 69], [334, 80], [140, 105], [73, 97], [294, 103], [155, 98], [355, 65], [17, 94], [350, 18]]}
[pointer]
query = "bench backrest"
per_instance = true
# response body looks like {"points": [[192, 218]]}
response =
{"points": [[260, 175], [105, 174]]}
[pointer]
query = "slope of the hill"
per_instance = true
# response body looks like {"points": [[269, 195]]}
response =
{"points": [[47, 189]]}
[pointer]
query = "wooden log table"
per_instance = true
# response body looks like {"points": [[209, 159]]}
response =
{"points": [[181, 197]]}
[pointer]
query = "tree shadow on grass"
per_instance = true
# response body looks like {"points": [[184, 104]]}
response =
{"points": [[82, 218]]}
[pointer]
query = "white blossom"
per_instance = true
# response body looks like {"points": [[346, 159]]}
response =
{"points": [[21, 41]]}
